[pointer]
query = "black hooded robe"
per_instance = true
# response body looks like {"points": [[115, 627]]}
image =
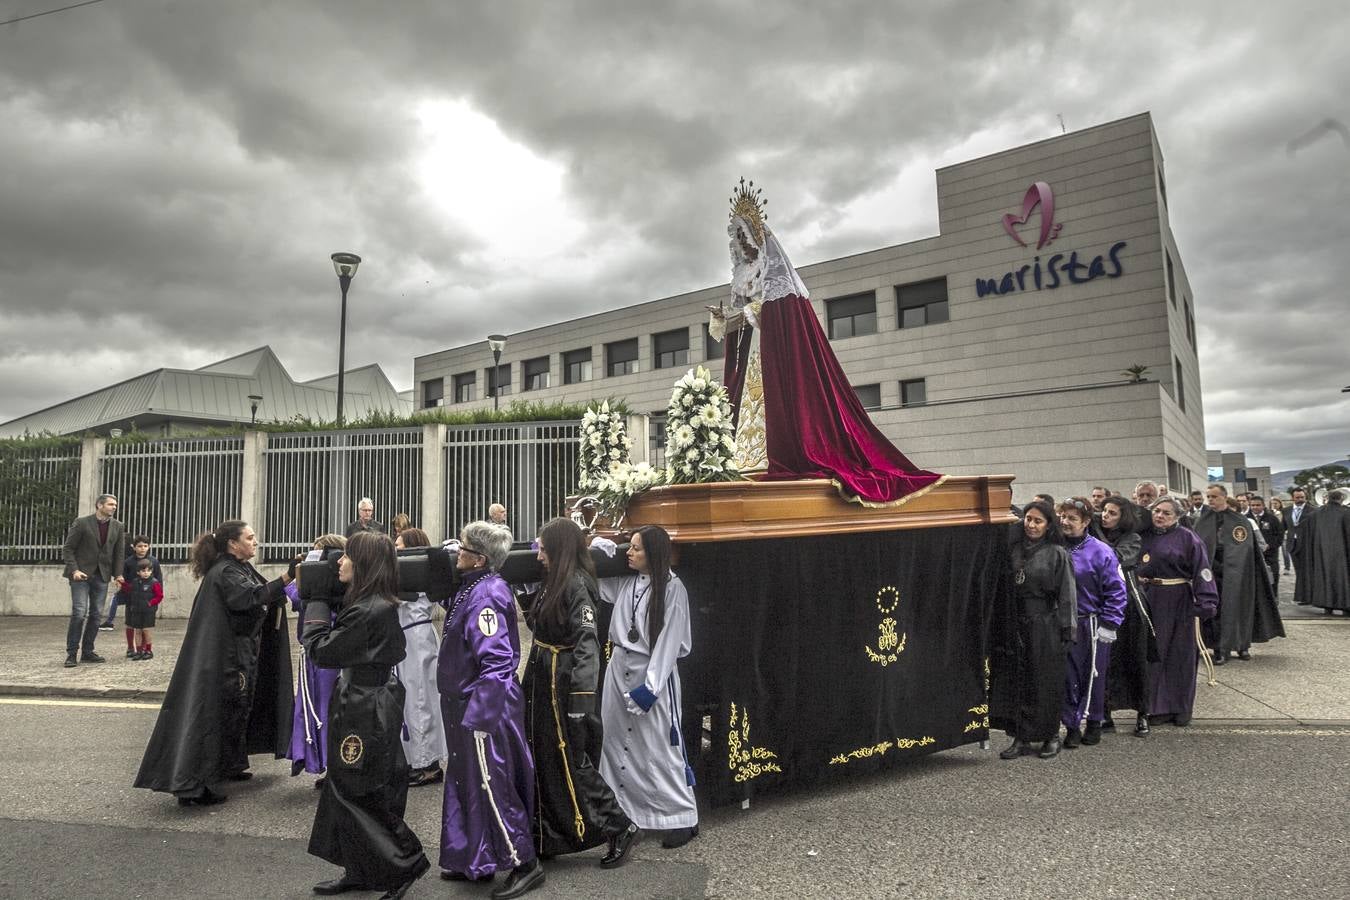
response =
{"points": [[1326, 563], [230, 693], [1136, 646], [1248, 609]]}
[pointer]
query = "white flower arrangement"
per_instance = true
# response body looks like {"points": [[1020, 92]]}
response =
{"points": [[700, 442], [621, 484], [604, 446]]}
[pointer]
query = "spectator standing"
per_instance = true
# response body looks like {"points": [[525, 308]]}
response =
{"points": [[144, 595], [1277, 508], [497, 514], [1098, 496], [140, 549], [365, 518], [1270, 529], [1197, 504], [1295, 517], [94, 547]]}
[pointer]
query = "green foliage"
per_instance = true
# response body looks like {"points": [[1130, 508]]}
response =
{"points": [[1135, 373], [1332, 476], [39, 484]]}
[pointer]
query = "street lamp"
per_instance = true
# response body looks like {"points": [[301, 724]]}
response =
{"points": [[497, 343], [253, 401], [345, 265]]}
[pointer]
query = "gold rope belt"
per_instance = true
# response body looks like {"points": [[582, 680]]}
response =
{"points": [[1167, 581], [555, 649]]}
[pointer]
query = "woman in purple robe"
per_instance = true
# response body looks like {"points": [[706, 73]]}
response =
{"points": [[1174, 569], [489, 784], [313, 689], [1101, 609]]}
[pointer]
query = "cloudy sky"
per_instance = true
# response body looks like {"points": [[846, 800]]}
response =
{"points": [[174, 175]]}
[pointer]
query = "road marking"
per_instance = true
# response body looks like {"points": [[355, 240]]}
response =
{"points": [[106, 704]]}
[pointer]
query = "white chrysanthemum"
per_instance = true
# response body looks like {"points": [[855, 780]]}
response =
{"points": [[728, 443], [710, 414], [614, 454], [687, 401], [684, 436], [699, 384], [595, 439], [692, 455]]}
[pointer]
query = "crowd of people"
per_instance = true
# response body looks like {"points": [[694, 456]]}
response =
{"points": [[536, 765], [1115, 601]]}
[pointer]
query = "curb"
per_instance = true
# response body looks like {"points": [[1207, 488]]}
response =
{"points": [[46, 690]]}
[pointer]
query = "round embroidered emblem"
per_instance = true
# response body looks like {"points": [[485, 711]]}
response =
{"points": [[1145, 558], [351, 749], [1206, 575], [1239, 534], [487, 622], [894, 594], [1020, 577]]}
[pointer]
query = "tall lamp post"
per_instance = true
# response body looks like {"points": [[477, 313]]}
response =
{"points": [[497, 343], [253, 401], [345, 265]]}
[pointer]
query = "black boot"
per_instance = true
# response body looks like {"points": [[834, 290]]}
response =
{"points": [[1050, 749], [1073, 739], [1017, 748], [522, 880], [207, 797], [1141, 728], [678, 837], [619, 845], [1093, 735], [341, 885], [1108, 724], [401, 891]]}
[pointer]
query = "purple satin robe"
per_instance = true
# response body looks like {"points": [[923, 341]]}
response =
{"points": [[309, 747], [1101, 602], [1177, 553], [489, 773]]}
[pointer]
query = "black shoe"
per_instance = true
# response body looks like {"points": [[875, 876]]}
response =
{"points": [[1181, 721], [619, 844], [318, 782], [1141, 728], [1244, 655], [1093, 735], [1017, 748], [138, 656], [70, 661], [91, 657], [148, 654], [106, 626], [243, 775], [1050, 749], [131, 654], [342, 885], [207, 797], [520, 881], [432, 774], [1073, 739], [678, 837], [399, 892], [1220, 659], [1108, 724]]}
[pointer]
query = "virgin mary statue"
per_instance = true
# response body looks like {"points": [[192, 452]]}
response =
{"points": [[796, 414]]}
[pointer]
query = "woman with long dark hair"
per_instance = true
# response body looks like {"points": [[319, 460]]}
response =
{"points": [[423, 732], [643, 758], [574, 808], [1127, 681], [1027, 659], [230, 694], [359, 823]]}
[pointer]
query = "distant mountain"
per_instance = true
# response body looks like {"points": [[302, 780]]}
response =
{"points": [[1283, 481]]}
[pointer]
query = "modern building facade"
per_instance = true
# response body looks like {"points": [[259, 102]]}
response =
{"points": [[1003, 344], [1231, 470]]}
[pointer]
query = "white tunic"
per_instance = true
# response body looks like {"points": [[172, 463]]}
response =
{"points": [[638, 761], [424, 741]]}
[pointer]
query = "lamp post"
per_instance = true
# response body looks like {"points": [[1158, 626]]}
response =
{"points": [[253, 401], [497, 343], [345, 265]]}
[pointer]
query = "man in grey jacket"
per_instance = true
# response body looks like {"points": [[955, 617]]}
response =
{"points": [[93, 554]]}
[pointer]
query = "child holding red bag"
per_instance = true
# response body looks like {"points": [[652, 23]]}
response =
{"points": [[143, 597]]}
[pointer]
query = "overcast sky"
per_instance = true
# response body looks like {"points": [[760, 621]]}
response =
{"points": [[174, 175]]}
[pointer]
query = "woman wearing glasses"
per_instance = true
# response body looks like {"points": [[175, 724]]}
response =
{"points": [[1174, 570], [1101, 609]]}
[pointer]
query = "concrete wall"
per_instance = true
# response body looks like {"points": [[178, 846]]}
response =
{"points": [[41, 591]]}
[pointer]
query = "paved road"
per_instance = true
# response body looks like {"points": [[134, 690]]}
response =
{"points": [[1207, 811]]}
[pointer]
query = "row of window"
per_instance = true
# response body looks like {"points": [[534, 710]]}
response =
{"points": [[670, 349], [1172, 296], [913, 392], [920, 303]]}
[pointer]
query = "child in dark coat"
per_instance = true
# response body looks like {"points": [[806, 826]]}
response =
{"points": [[142, 599]]}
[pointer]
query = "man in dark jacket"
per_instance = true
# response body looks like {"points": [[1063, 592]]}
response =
{"points": [[93, 553], [1295, 517], [1272, 531]]}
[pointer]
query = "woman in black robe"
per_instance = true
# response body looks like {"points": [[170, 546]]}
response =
{"points": [[359, 823], [1127, 680], [230, 694], [574, 808], [1027, 662]]}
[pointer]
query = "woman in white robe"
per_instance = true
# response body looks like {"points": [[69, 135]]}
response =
{"points": [[423, 733], [643, 758]]}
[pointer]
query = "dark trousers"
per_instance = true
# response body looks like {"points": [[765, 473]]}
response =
{"points": [[86, 611]]}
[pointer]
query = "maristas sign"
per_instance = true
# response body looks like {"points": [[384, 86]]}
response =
{"points": [[1060, 268]]}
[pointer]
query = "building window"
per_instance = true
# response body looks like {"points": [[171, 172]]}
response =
{"points": [[1162, 186], [869, 395], [577, 366], [536, 373], [913, 392], [671, 348], [1190, 325], [433, 393], [621, 357], [465, 387], [498, 380], [656, 440], [1181, 385], [713, 349], [852, 316], [922, 303], [1171, 281], [1178, 477]]}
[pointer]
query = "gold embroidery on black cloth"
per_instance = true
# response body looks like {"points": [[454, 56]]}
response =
{"points": [[1239, 533], [889, 644], [243, 684], [746, 761], [351, 749], [881, 748]]}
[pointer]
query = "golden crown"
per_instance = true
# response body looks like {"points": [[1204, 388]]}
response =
{"points": [[748, 202]]}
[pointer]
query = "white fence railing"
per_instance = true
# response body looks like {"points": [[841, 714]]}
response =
{"points": [[38, 490]]}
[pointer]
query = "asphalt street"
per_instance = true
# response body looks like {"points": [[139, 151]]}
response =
{"points": [[1206, 811]]}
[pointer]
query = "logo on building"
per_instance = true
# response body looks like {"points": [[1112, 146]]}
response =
{"points": [[1038, 196]]}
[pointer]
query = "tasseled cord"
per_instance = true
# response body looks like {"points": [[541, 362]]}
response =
{"points": [[1205, 655]]}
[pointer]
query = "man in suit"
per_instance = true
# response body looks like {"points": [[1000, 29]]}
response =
{"points": [[1272, 531], [1295, 517], [93, 553]]}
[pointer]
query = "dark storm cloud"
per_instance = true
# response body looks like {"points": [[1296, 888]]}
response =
{"points": [[178, 173]]}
